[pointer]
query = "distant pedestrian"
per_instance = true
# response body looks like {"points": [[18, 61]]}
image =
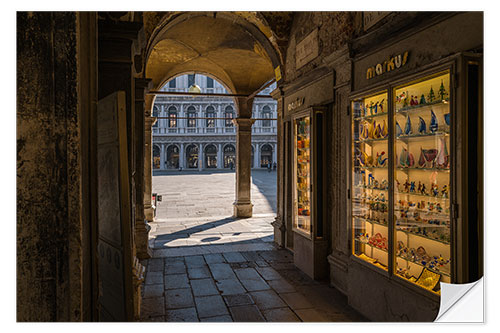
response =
{"points": [[180, 168], [274, 166], [269, 167]]}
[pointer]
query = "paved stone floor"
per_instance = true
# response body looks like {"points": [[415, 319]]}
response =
{"points": [[208, 266]]}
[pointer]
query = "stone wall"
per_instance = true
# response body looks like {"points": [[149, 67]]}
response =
{"points": [[48, 168]]}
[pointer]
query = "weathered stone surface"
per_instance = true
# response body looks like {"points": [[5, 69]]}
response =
{"points": [[281, 286], [199, 272], [310, 315], [230, 287], [195, 261], [235, 300], [178, 298], [181, 315], [176, 281], [234, 257], [280, 315], [296, 301], [210, 306], [153, 290], [152, 307], [203, 287], [267, 299], [225, 318], [214, 258], [246, 313], [221, 271]]}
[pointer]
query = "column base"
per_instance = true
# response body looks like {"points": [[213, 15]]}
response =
{"points": [[149, 213], [142, 240], [279, 231], [242, 209]]}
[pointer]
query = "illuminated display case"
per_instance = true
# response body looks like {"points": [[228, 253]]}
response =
{"points": [[412, 159], [302, 174]]}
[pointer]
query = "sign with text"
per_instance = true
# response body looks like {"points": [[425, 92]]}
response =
{"points": [[307, 49]]}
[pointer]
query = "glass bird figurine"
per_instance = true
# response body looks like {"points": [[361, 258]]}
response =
{"points": [[434, 124], [399, 131], [408, 126]]}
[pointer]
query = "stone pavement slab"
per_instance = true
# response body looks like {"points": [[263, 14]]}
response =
{"points": [[267, 299], [280, 315], [178, 298], [230, 287], [181, 315], [246, 313], [210, 306], [235, 300], [176, 281], [204, 287]]}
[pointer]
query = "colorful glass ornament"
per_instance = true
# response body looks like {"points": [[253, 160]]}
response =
{"points": [[385, 133], [411, 160], [434, 124], [399, 131], [371, 130], [431, 96], [422, 99], [422, 128], [442, 156], [447, 119], [442, 92], [408, 126], [381, 161], [403, 158], [381, 105], [378, 132]]}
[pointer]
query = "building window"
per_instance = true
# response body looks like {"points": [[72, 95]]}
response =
{"points": [[156, 157], [172, 83], [173, 157], [172, 117], [266, 155], [266, 113], [210, 114], [192, 156], [156, 111], [229, 115], [190, 80], [191, 116], [210, 82]]}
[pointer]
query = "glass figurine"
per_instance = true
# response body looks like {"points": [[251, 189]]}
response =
{"points": [[434, 124], [385, 133], [444, 191], [431, 96], [422, 99], [408, 126], [442, 156], [422, 128], [412, 187], [380, 160], [442, 92], [447, 119], [399, 131], [381, 105]]}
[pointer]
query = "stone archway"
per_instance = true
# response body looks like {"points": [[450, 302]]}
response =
{"points": [[173, 157], [229, 156], [210, 156], [266, 155], [192, 153]]}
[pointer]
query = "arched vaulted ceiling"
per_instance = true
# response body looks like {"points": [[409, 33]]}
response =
{"points": [[228, 46]]}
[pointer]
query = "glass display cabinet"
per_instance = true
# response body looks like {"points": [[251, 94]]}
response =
{"points": [[308, 225], [401, 180], [302, 174], [370, 185]]}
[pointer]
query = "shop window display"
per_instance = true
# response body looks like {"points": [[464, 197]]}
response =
{"points": [[370, 182], [422, 182], [302, 175]]}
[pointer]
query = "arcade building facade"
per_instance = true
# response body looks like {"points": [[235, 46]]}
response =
{"points": [[193, 129]]}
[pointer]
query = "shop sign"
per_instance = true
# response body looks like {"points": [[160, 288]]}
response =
{"points": [[296, 104], [390, 64], [307, 49]]}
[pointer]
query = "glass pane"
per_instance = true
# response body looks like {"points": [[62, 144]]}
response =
{"points": [[302, 175], [422, 182], [370, 185]]}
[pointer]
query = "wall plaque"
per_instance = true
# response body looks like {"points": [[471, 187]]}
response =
{"points": [[372, 18], [307, 49]]}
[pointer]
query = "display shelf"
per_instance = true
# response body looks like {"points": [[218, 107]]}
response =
{"points": [[422, 169], [423, 236], [370, 188], [368, 141], [370, 220], [369, 167], [361, 118], [420, 264], [414, 137], [427, 212], [372, 246], [421, 195], [421, 107]]}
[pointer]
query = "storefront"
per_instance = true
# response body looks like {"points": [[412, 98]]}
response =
{"points": [[414, 186]]}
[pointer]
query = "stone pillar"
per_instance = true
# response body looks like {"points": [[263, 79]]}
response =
{"points": [[142, 228], [162, 156], [275, 153], [220, 158], [148, 170], [256, 160], [200, 157], [243, 205], [182, 156]]}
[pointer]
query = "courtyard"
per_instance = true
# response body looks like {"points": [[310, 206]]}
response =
{"points": [[209, 266]]}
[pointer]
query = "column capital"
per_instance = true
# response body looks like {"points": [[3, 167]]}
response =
{"points": [[243, 124]]}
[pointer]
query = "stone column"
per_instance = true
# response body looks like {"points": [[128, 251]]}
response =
{"points": [[182, 157], [220, 158], [200, 157], [243, 205], [256, 161], [142, 228], [162, 156], [148, 170], [275, 153]]}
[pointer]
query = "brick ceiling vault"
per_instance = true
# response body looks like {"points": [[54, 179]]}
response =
{"points": [[239, 49]]}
